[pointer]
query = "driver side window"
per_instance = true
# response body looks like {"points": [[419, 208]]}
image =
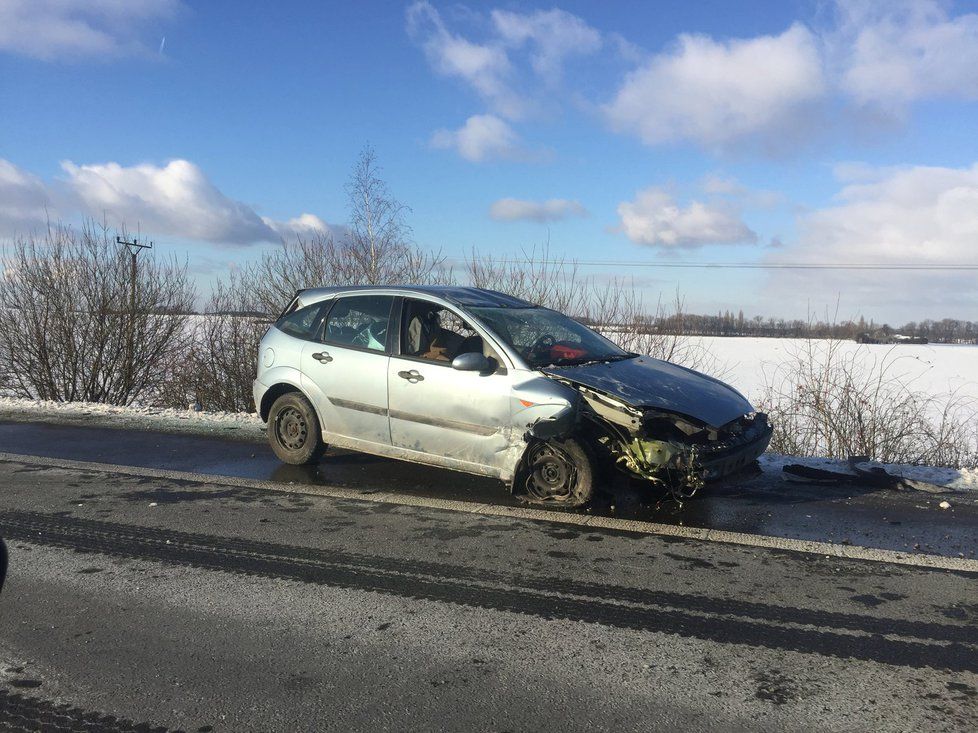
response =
{"points": [[435, 333], [361, 321]]}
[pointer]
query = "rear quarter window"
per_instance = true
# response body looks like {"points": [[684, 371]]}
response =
{"points": [[303, 323]]}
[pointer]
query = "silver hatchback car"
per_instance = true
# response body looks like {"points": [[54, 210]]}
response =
{"points": [[482, 382]]}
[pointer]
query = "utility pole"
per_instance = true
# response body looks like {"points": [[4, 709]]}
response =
{"points": [[134, 249]]}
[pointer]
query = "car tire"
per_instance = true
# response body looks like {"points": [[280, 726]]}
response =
{"points": [[558, 473], [294, 431]]}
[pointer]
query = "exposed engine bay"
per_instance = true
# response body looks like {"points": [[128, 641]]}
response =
{"points": [[674, 451]]}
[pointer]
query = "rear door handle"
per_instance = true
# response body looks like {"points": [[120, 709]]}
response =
{"points": [[412, 376], [322, 357]]}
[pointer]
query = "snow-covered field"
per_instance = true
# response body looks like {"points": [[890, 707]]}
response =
{"points": [[934, 369]]}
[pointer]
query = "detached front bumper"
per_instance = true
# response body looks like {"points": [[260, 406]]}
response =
{"points": [[737, 451]]}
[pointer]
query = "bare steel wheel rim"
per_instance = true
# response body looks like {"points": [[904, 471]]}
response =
{"points": [[552, 476], [291, 428]]}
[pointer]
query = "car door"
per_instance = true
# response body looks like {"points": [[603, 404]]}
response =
{"points": [[345, 370], [438, 410]]}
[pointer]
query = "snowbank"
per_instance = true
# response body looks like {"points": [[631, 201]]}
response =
{"points": [[242, 425]]}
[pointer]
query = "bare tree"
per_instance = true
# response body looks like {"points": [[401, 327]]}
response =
{"points": [[69, 330], [376, 249], [376, 217]]}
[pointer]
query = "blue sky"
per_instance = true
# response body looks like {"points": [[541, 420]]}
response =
{"points": [[628, 131]]}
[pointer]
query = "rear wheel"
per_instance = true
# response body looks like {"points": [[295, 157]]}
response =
{"points": [[558, 473], [293, 430]]}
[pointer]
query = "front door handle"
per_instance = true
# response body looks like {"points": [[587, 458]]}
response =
{"points": [[322, 357], [412, 376]]}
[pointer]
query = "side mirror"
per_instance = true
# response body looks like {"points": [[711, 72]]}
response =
{"points": [[474, 361]]}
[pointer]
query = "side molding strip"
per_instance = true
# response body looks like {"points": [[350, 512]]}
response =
{"points": [[465, 427], [359, 406]]}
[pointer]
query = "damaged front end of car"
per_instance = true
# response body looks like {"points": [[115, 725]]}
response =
{"points": [[673, 451]]}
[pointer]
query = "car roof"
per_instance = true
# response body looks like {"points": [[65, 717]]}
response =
{"points": [[464, 296]]}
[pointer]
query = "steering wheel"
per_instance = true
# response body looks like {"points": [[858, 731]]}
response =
{"points": [[545, 342]]}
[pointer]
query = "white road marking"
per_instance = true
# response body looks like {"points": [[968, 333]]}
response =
{"points": [[850, 552]]}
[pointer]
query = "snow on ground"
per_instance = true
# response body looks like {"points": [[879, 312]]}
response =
{"points": [[247, 426], [934, 369]]}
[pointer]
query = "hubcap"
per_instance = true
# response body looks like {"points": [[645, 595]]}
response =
{"points": [[553, 475], [292, 429]]}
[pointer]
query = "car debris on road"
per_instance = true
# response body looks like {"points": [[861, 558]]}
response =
{"points": [[861, 471]]}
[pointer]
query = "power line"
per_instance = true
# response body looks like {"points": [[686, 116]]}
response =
{"points": [[749, 265]]}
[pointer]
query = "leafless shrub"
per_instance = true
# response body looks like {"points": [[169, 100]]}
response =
{"points": [[829, 400], [320, 261], [618, 311], [219, 367], [69, 330], [537, 278]]}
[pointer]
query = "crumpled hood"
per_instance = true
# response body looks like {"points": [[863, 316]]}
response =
{"points": [[648, 382]]}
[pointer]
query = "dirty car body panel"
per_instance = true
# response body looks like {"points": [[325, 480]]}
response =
{"points": [[392, 385]]}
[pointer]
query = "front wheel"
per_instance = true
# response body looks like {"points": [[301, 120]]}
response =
{"points": [[558, 473], [293, 430]]}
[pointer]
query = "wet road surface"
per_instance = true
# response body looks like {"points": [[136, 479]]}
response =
{"points": [[754, 504], [186, 605]]}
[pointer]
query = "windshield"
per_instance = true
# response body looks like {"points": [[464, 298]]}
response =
{"points": [[547, 338]]}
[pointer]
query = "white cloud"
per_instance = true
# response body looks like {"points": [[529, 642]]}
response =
{"points": [[481, 138], [722, 185], [894, 52], [910, 215], [52, 29], [554, 34], [495, 67], [654, 218], [303, 226], [176, 199], [907, 214], [726, 187], [712, 92], [24, 200], [484, 67], [510, 209]]}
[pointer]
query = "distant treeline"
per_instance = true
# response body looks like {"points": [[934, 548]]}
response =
{"points": [[945, 331]]}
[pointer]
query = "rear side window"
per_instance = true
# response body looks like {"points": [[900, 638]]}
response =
{"points": [[360, 320], [303, 323]]}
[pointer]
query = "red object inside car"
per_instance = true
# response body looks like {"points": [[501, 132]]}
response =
{"points": [[562, 350]]}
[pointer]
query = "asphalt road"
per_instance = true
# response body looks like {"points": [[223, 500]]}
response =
{"points": [[184, 605], [751, 503]]}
